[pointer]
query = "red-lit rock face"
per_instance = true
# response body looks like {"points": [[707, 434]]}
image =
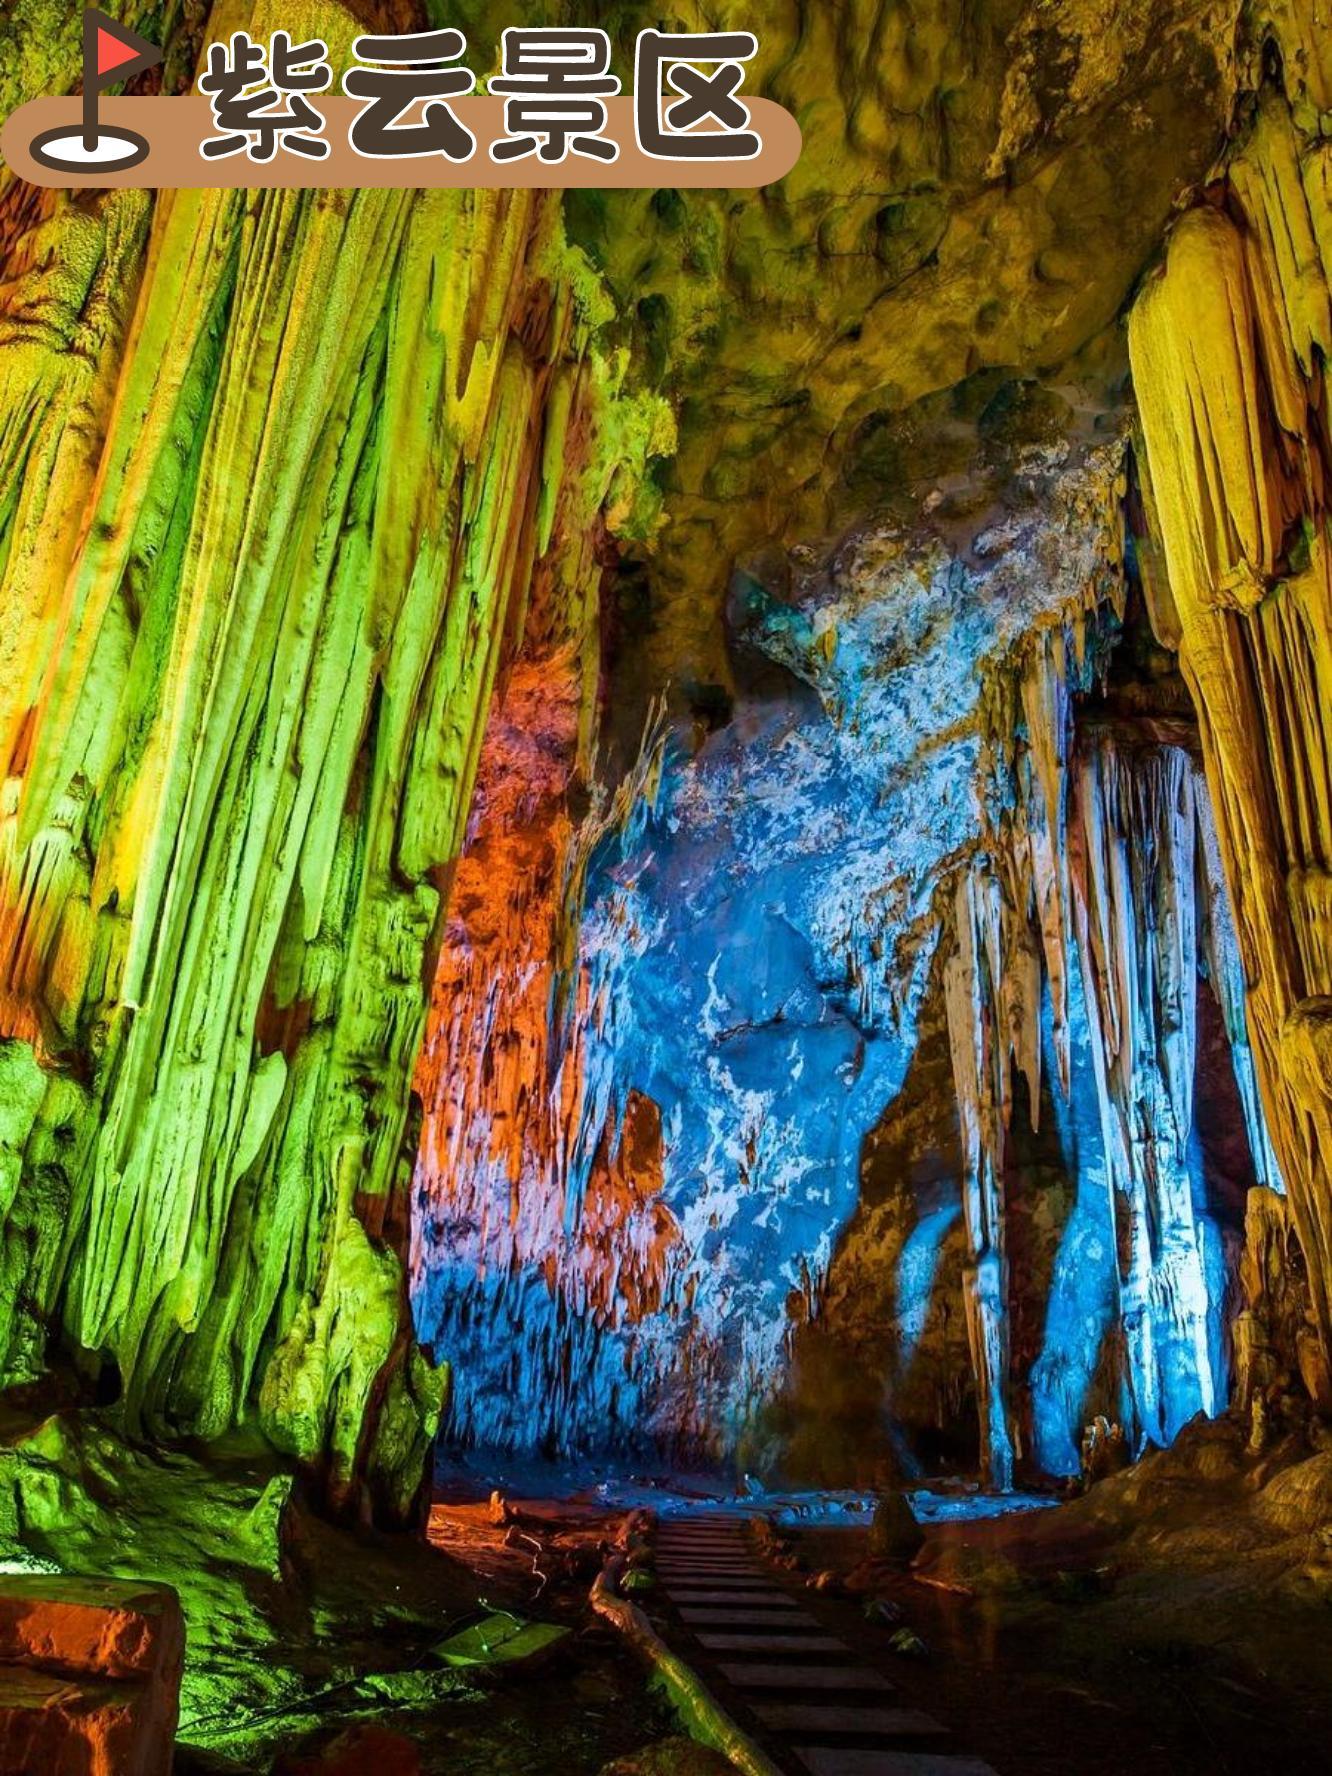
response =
{"points": [[90, 1674], [489, 1031], [519, 1180]]}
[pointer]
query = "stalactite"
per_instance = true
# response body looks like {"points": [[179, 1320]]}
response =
{"points": [[66, 300], [242, 721], [1010, 936], [1229, 344], [1225, 972], [1100, 857], [1276, 1338], [973, 985], [1134, 863]]}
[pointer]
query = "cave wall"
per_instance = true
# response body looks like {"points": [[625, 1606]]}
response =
{"points": [[902, 902], [929, 824]]}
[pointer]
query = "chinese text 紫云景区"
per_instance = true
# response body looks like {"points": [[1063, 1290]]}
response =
{"points": [[554, 82]]}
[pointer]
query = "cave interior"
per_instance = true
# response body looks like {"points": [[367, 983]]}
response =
{"points": [[665, 873]]}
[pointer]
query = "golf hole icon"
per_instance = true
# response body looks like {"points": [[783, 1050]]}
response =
{"points": [[111, 52]]}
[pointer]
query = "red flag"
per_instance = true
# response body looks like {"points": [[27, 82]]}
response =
{"points": [[111, 51]]}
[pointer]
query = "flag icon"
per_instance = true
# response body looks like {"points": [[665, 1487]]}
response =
{"points": [[111, 53]]}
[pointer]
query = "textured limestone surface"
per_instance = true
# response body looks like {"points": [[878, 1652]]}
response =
{"points": [[942, 776], [902, 811]]}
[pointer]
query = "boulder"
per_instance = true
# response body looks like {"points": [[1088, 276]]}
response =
{"points": [[89, 1675], [111, 1627], [895, 1534], [365, 1750], [1298, 1501]]}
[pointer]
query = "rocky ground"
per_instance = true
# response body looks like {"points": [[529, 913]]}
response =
{"points": [[1174, 1619], [309, 1646]]}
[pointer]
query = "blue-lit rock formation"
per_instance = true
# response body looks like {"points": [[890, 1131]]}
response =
{"points": [[1080, 934], [678, 1039]]}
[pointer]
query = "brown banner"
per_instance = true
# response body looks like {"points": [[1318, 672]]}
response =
{"points": [[175, 128]]}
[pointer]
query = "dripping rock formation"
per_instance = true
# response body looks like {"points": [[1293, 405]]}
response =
{"points": [[672, 827]]}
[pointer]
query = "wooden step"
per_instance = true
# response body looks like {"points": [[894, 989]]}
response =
{"points": [[738, 1562], [742, 1616], [683, 1582], [826, 1760], [849, 1678], [847, 1720], [769, 1643], [752, 1597]]}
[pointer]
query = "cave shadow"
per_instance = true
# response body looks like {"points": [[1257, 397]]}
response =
{"points": [[879, 1385]]}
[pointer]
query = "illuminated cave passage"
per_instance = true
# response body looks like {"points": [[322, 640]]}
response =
{"points": [[649, 1174], [665, 929]]}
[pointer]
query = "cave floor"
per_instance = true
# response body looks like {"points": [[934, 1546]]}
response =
{"points": [[1175, 1620], [349, 1642], [299, 1630], [1048, 1680], [1151, 1627], [346, 1640]]}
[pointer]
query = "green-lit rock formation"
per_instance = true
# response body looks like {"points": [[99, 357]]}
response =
{"points": [[271, 528]]}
